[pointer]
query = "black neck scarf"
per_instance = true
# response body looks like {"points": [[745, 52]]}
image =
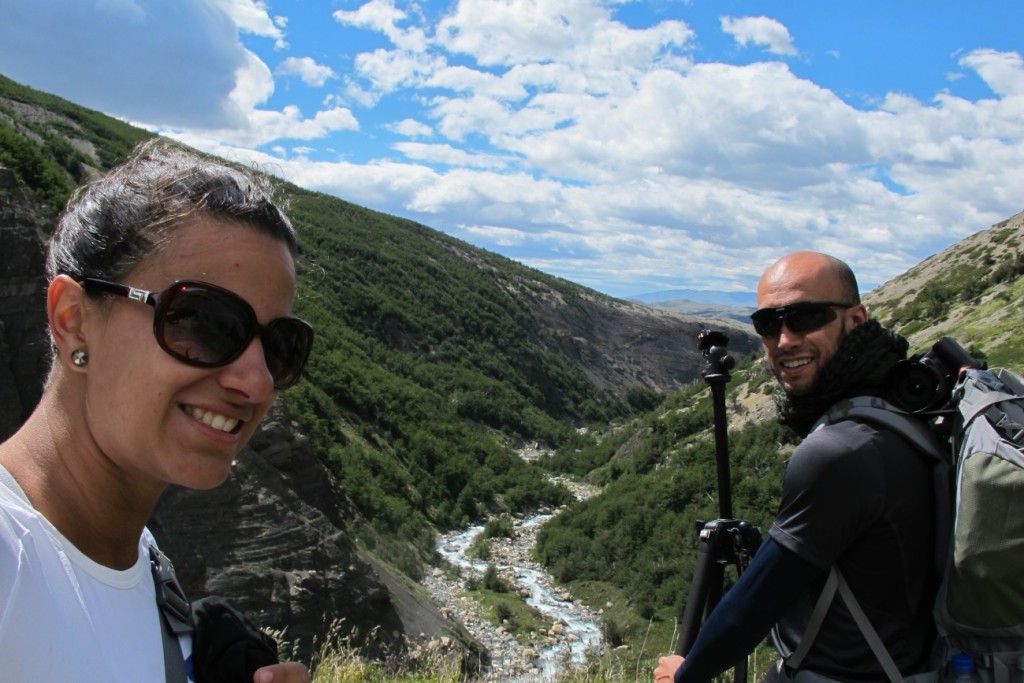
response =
{"points": [[860, 365]]}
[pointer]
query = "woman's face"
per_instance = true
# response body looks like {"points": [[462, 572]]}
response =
{"points": [[156, 419]]}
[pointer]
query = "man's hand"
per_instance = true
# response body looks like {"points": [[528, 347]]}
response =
{"points": [[288, 672], [667, 667]]}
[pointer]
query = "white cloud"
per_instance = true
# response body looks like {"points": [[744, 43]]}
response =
{"points": [[575, 32], [585, 147], [1001, 71], [624, 167], [219, 90], [250, 16], [505, 237], [387, 70], [69, 46], [410, 128], [385, 17], [306, 68], [253, 85], [448, 155], [289, 123], [462, 79], [760, 31]]}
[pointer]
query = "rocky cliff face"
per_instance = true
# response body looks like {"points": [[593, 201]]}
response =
{"points": [[273, 540], [619, 344], [24, 345]]}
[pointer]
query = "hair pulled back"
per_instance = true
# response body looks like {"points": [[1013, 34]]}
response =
{"points": [[126, 216]]}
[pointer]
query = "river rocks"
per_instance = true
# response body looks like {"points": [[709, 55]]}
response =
{"points": [[547, 651], [508, 658]]}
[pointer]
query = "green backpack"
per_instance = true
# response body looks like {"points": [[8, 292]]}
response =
{"points": [[976, 441]]}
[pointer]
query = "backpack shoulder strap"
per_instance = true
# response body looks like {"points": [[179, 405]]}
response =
{"points": [[175, 614], [881, 412], [828, 593], [837, 584]]}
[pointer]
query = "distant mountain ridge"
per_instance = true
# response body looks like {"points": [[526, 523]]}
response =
{"points": [[731, 307], [699, 296]]}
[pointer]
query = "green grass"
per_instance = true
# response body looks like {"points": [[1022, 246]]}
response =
{"points": [[339, 663], [509, 611]]}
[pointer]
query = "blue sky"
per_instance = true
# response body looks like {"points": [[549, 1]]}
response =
{"points": [[630, 147]]}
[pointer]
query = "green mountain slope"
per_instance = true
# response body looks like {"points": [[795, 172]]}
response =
{"points": [[971, 291]]}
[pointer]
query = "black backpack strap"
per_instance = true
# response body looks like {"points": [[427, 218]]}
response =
{"points": [[175, 614]]}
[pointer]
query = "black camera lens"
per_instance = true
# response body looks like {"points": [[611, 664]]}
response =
{"points": [[916, 385]]}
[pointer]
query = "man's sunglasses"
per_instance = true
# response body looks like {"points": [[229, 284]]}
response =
{"points": [[208, 326], [803, 316]]}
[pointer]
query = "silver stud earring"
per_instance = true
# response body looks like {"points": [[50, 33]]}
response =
{"points": [[79, 358]]}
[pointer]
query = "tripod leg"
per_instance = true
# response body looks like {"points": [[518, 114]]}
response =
{"points": [[705, 591]]}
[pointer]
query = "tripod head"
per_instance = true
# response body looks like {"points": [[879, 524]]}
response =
{"points": [[717, 361]]}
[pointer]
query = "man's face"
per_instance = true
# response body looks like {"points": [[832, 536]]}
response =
{"points": [[797, 358]]}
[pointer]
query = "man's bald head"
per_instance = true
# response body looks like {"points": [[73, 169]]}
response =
{"points": [[809, 266]]}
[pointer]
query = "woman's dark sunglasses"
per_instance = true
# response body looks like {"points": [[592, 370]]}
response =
{"points": [[803, 316], [208, 326]]}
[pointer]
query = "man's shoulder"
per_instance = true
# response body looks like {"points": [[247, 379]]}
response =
{"points": [[844, 435], [851, 438], [854, 429]]}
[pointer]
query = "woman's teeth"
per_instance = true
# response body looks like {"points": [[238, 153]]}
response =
{"points": [[224, 424]]}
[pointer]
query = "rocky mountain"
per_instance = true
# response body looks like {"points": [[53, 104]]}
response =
{"points": [[619, 344], [970, 291], [24, 225]]}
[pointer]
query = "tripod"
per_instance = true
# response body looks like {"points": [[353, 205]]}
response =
{"points": [[726, 540]]}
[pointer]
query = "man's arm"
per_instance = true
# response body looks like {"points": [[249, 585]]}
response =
{"points": [[743, 617]]}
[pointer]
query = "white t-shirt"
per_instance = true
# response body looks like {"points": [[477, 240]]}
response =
{"points": [[66, 618]]}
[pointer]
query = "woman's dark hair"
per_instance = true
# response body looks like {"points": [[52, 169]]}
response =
{"points": [[119, 220]]}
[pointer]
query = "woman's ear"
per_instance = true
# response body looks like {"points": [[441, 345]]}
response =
{"points": [[65, 310]]}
